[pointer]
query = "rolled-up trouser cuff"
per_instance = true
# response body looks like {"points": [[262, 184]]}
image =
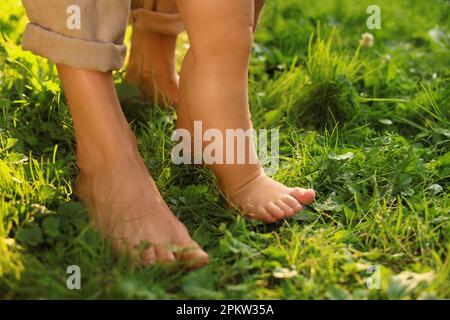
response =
{"points": [[76, 53]]}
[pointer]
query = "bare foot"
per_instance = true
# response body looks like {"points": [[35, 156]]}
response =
{"points": [[125, 205], [152, 59], [264, 199], [151, 67]]}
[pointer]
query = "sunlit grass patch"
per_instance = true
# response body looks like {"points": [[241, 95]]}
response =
{"points": [[367, 127]]}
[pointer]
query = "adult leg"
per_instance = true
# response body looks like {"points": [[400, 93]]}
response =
{"points": [[121, 197], [156, 25], [114, 184]]}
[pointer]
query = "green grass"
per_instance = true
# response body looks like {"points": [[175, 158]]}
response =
{"points": [[368, 128]]}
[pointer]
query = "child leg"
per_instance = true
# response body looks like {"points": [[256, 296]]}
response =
{"points": [[217, 94], [182, 118]]}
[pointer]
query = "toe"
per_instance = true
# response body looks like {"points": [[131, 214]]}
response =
{"points": [[304, 196], [261, 214], [122, 247], [164, 255], [292, 203], [275, 211], [192, 256], [288, 211], [148, 256]]}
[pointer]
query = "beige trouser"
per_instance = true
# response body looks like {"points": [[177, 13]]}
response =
{"points": [[89, 34]]}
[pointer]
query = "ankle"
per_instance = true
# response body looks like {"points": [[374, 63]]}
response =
{"points": [[94, 159], [230, 183]]}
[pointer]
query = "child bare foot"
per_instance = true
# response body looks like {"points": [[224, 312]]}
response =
{"points": [[262, 198], [152, 59], [127, 208]]}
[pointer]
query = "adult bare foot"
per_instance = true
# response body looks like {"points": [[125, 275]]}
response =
{"points": [[151, 66], [125, 205], [114, 184]]}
